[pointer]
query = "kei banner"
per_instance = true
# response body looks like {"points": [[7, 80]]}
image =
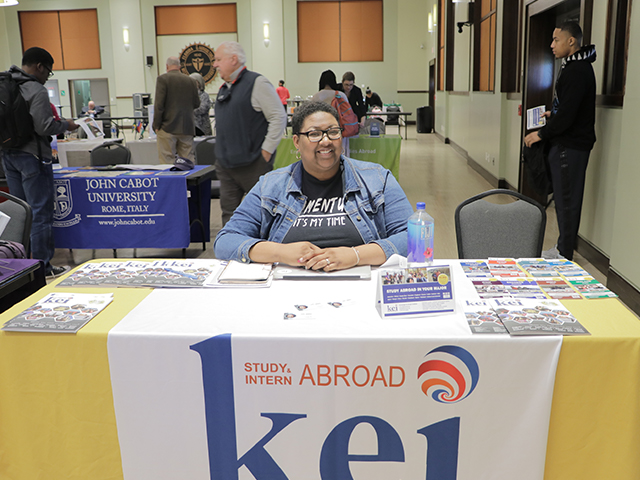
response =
{"points": [[280, 406]]}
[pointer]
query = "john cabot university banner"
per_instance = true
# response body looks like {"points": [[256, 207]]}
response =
{"points": [[232, 407], [124, 211]]}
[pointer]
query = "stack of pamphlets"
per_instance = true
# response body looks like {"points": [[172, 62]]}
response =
{"points": [[532, 278], [60, 313], [481, 317], [536, 317], [521, 316], [138, 273]]}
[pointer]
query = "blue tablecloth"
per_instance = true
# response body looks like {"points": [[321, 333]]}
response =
{"points": [[121, 209]]}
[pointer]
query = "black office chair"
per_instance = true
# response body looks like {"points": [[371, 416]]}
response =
{"points": [[110, 153], [514, 230], [206, 155], [19, 227]]}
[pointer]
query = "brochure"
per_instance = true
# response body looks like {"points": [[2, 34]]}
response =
{"points": [[505, 267], [536, 317], [589, 287], [535, 118], [475, 268], [556, 287], [489, 287], [60, 313], [482, 318]]}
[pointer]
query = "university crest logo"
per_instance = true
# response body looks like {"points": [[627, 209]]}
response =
{"points": [[198, 58], [63, 201]]}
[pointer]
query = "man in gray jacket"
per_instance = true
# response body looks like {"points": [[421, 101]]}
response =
{"points": [[28, 167], [250, 122], [173, 118]]}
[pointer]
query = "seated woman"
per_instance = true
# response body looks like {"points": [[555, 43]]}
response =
{"points": [[325, 211]]}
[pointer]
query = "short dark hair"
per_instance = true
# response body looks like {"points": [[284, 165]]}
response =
{"points": [[35, 55], [573, 29], [309, 108], [281, 82], [328, 78], [349, 76]]}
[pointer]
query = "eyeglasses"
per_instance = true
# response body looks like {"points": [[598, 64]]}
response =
{"points": [[50, 74], [333, 133]]}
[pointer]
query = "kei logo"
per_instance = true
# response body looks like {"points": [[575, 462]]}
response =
{"points": [[63, 202], [448, 374]]}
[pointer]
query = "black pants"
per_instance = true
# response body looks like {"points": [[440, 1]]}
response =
{"points": [[568, 172], [236, 182]]}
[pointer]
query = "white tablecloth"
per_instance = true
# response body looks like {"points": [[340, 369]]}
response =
{"points": [[201, 376]]}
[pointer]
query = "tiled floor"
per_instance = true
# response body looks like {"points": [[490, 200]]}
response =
{"points": [[430, 171]]}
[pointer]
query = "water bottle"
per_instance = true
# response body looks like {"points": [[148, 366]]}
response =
{"points": [[420, 236], [114, 132]]}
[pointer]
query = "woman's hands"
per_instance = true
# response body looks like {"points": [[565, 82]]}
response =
{"points": [[307, 255], [330, 259]]}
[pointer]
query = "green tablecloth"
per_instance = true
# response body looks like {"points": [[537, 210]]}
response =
{"points": [[384, 150]]}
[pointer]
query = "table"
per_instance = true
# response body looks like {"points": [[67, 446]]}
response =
{"points": [[131, 209], [19, 278], [77, 153], [68, 427], [384, 150], [400, 114]]}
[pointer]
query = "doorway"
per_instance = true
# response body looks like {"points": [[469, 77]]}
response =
{"points": [[83, 90]]}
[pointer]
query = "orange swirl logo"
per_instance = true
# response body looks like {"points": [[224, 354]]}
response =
{"points": [[449, 374]]}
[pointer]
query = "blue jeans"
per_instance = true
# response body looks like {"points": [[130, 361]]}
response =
{"points": [[32, 180]]}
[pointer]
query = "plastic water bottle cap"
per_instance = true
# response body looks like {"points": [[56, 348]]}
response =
{"points": [[421, 205]]}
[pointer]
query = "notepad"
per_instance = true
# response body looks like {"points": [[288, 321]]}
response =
{"points": [[245, 273]]}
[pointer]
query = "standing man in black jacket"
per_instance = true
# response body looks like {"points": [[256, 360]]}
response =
{"points": [[570, 131]]}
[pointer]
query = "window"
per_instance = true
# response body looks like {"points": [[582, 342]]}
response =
{"points": [[70, 36], [189, 19], [354, 34], [615, 55], [485, 46], [511, 46]]}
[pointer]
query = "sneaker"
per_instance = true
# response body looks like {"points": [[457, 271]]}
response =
{"points": [[57, 271], [552, 254]]}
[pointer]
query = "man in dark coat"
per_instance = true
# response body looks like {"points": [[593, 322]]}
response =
{"points": [[173, 117], [570, 130]]}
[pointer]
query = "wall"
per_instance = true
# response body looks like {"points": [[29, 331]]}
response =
{"points": [[625, 229]]}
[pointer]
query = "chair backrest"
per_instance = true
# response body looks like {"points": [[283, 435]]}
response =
{"points": [[369, 121], [514, 230], [206, 151], [19, 227], [110, 154]]}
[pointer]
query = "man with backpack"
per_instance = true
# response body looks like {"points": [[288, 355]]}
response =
{"points": [[27, 124]]}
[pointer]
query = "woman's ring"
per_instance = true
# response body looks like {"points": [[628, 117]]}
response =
{"points": [[328, 261]]}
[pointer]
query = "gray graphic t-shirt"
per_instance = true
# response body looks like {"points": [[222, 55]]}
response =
{"points": [[323, 221]]}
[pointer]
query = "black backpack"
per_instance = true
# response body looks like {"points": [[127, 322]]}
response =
{"points": [[16, 124]]}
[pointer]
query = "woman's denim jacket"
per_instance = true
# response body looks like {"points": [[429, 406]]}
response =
{"points": [[374, 201]]}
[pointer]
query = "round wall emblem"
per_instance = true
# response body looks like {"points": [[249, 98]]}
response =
{"points": [[198, 58]]}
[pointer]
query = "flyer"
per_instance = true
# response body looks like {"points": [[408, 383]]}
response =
{"points": [[415, 291], [59, 312]]}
